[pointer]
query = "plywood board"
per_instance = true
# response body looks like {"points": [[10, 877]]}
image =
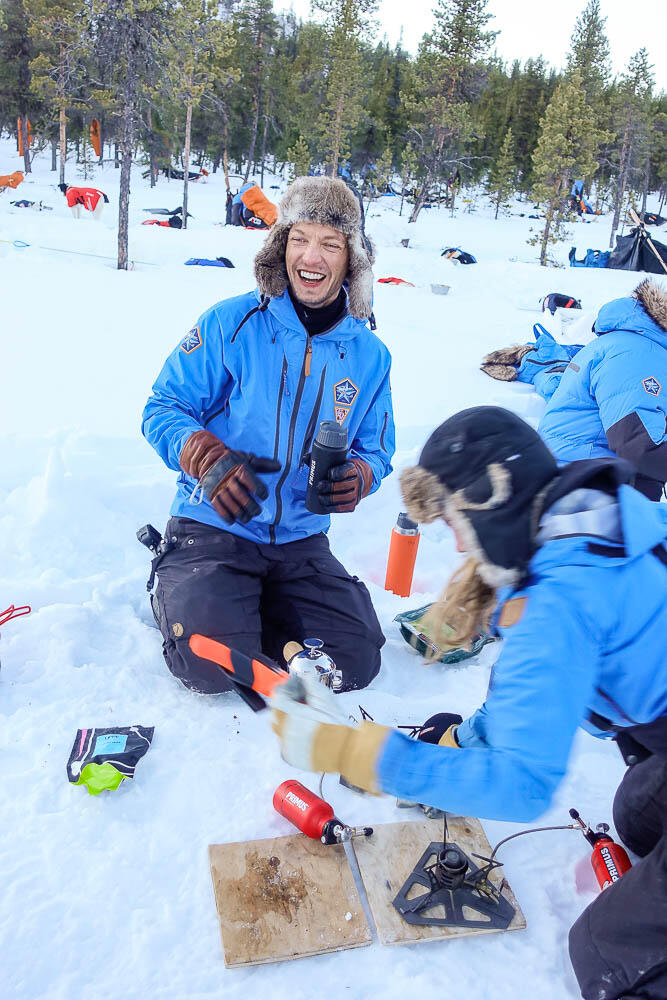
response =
{"points": [[284, 898], [388, 857]]}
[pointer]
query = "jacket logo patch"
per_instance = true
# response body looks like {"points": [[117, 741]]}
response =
{"points": [[345, 393], [340, 412], [512, 612], [192, 341], [652, 386]]}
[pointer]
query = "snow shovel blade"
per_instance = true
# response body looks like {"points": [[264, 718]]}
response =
{"points": [[262, 676]]}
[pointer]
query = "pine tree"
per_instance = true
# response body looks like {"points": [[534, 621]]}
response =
{"points": [[383, 173], [589, 53], [55, 31], [447, 77], [298, 156], [16, 52], [565, 149], [346, 25], [130, 42], [632, 114], [503, 173], [198, 42], [409, 163]]}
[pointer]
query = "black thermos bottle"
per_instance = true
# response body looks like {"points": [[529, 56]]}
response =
{"points": [[329, 448]]}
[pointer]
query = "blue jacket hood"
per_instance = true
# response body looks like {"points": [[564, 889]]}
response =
{"points": [[628, 315]]}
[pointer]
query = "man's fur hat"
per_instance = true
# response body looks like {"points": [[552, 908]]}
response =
{"points": [[330, 203], [653, 298]]}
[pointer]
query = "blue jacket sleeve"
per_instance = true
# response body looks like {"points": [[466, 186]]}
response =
{"points": [[375, 439], [633, 409], [192, 383], [515, 748]]}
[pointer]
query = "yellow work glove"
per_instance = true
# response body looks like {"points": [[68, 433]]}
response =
{"points": [[315, 736]]}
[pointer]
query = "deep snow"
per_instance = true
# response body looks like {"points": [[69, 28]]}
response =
{"points": [[111, 897]]}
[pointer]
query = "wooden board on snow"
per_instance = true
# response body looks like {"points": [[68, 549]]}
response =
{"points": [[388, 857], [284, 898]]}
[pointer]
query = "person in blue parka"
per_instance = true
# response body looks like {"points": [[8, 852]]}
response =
{"points": [[570, 564], [235, 410], [609, 397]]}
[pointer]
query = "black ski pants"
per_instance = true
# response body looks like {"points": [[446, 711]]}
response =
{"points": [[618, 946], [255, 598]]}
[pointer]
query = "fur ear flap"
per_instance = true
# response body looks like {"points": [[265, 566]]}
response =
{"points": [[423, 494], [270, 270]]}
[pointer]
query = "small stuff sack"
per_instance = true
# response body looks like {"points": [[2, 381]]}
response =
{"points": [[101, 758]]}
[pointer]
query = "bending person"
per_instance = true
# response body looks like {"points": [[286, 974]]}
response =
{"points": [[580, 564]]}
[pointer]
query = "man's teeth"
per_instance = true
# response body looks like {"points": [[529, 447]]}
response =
{"points": [[311, 275]]}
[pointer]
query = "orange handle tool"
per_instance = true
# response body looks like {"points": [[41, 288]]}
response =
{"points": [[263, 676]]}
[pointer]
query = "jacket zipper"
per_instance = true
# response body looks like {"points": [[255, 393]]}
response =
{"points": [[384, 429], [276, 443], [310, 430], [290, 442]]}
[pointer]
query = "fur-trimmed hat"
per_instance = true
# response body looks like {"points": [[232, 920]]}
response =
{"points": [[328, 202], [484, 471]]}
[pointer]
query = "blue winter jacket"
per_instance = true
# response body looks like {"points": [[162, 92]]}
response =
{"points": [[265, 390], [590, 637], [612, 398]]}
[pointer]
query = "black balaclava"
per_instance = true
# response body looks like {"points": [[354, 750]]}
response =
{"points": [[484, 471]]}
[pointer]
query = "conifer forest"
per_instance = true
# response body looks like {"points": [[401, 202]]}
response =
{"points": [[231, 86]]}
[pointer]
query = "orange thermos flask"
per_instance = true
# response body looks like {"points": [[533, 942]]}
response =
{"points": [[402, 556]]}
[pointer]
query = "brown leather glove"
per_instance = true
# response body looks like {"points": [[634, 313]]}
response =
{"points": [[226, 477], [345, 485]]}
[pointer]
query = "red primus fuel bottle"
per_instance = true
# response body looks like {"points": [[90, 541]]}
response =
{"points": [[306, 811], [610, 861]]}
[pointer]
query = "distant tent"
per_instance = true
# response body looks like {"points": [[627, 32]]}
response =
{"points": [[252, 209], [638, 252]]}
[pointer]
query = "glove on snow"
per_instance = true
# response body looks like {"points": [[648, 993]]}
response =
{"points": [[314, 735], [227, 478], [345, 485], [503, 364], [441, 729]]}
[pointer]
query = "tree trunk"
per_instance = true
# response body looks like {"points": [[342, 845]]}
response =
{"points": [[186, 165], [253, 135], [116, 156], [420, 200], [151, 145], [622, 177], [647, 173], [225, 163], [127, 145], [544, 243], [264, 137], [54, 155], [24, 142], [497, 205]]}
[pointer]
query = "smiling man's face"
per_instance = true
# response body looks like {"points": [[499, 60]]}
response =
{"points": [[316, 259]]}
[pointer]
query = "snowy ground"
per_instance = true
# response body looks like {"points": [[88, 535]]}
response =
{"points": [[111, 897]]}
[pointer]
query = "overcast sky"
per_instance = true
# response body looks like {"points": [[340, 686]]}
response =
{"points": [[529, 28]]}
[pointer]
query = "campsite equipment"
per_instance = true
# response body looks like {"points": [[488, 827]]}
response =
{"points": [[252, 209], [329, 449], [638, 252], [414, 631], [455, 884], [395, 281], [204, 262], [440, 289], [458, 255], [556, 300], [101, 758], [592, 258], [259, 673], [402, 555], [289, 897], [22, 245], [313, 660], [609, 860], [311, 814], [405, 242]]}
